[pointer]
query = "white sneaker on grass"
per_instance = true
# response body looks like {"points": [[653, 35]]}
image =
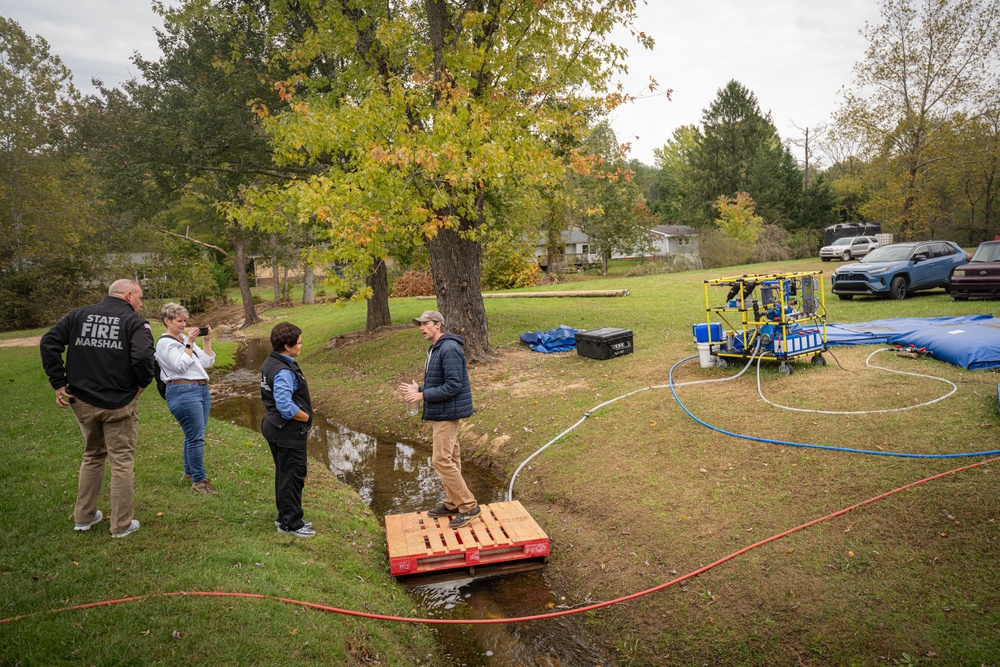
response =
{"points": [[132, 527], [86, 526], [304, 531]]}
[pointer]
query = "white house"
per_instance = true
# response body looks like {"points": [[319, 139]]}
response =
{"points": [[669, 241], [674, 240], [575, 249]]}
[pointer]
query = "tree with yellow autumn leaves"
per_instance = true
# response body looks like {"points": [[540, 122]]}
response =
{"points": [[433, 122]]}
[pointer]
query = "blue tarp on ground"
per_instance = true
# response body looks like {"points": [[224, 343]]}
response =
{"points": [[970, 341], [560, 339]]}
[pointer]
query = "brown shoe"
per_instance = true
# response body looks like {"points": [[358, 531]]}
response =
{"points": [[186, 477], [203, 487]]}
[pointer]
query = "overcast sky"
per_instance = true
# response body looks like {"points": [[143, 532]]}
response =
{"points": [[795, 55]]}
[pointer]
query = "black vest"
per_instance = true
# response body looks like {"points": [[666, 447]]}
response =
{"points": [[274, 363]]}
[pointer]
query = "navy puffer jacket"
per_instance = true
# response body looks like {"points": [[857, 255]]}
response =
{"points": [[446, 389]]}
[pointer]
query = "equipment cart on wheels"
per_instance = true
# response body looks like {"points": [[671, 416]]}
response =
{"points": [[777, 317]]}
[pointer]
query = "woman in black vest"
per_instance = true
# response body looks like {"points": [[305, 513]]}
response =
{"points": [[286, 424]]}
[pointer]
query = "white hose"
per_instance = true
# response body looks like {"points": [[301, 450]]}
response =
{"points": [[868, 363], [510, 489]]}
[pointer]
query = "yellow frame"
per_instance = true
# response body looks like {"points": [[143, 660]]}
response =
{"points": [[751, 325]]}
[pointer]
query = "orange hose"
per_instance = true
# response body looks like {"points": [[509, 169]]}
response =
{"points": [[520, 619]]}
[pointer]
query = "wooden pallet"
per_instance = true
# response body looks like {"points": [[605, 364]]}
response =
{"points": [[502, 532]]}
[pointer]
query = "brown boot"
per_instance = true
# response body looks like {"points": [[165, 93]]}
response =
{"points": [[203, 487]]}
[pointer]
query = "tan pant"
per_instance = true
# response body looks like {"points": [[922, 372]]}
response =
{"points": [[107, 434], [447, 462]]}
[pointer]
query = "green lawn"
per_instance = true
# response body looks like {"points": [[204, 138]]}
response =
{"points": [[640, 491], [638, 494], [187, 542]]}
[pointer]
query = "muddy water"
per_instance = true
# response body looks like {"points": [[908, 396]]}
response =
{"points": [[393, 477]]}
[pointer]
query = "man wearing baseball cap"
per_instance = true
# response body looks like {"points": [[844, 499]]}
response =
{"points": [[447, 398]]}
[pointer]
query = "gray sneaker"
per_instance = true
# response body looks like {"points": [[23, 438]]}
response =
{"points": [[442, 510], [132, 527], [304, 531], [308, 524], [86, 526], [463, 518]]}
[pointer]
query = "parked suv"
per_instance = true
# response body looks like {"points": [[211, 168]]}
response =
{"points": [[851, 247], [981, 276], [897, 269]]}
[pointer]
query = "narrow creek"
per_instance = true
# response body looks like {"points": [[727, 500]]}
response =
{"points": [[394, 476]]}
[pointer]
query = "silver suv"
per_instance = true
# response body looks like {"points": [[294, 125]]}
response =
{"points": [[848, 248]]}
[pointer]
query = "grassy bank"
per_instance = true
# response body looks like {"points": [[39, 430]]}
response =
{"points": [[187, 542], [640, 492]]}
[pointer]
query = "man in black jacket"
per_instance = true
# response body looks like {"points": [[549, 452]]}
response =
{"points": [[109, 361], [447, 398]]}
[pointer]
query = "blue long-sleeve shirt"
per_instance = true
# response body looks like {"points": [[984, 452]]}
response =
{"points": [[286, 384]]}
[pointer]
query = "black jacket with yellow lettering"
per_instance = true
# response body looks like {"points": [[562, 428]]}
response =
{"points": [[109, 353]]}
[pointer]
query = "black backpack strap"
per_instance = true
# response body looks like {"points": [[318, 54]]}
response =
{"points": [[161, 386]]}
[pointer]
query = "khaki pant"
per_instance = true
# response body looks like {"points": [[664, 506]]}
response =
{"points": [[447, 462], [107, 434]]}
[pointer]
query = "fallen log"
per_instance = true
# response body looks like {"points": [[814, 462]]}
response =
{"points": [[540, 295]]}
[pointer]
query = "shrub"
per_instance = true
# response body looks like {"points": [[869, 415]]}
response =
{"points": [[223, 274], [719, 250], [805, 243], [772, 245], [414, 283], [40, 294], [172, 277], [508, 264]]}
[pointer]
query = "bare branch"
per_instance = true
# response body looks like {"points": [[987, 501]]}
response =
{"points": [[196, 241]]}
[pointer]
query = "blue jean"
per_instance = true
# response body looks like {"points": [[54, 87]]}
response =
{"points": [[189, 404]]}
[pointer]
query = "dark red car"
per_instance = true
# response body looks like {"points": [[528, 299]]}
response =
{"points": [[981, 276]]}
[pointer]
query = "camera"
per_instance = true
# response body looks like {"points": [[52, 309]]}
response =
{"points": [[202, 331]]}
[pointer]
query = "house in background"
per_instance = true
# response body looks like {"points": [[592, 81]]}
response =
{"points": [[671, 240], [575, 248]]}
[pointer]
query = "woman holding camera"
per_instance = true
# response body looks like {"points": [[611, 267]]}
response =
{"points": [[182, 368]]}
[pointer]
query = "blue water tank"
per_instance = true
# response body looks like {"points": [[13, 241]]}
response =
{"points": [[707, 333]]}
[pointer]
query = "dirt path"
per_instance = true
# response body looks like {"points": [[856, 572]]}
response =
{"points": [[21, 342]]}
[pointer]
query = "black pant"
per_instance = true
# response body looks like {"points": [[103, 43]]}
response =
{"points": [[289, 476]]}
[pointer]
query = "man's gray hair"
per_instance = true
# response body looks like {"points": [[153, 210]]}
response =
{"points": [[122, 286], [172, 311]]}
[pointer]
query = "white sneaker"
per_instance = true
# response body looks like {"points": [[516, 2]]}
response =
{"points": [[304, 531], [134, 526], [86, 526]]}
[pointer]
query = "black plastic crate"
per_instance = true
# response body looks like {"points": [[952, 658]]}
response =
{"points": [[604, 343]]}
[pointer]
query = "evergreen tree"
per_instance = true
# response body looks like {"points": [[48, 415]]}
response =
{"points": [[675, 179], [739, 150]]}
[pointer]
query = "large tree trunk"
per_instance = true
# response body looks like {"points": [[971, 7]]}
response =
{"points": [[308, 291], [553, 250], [378, 302], [455, 266], [240, 265]]}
